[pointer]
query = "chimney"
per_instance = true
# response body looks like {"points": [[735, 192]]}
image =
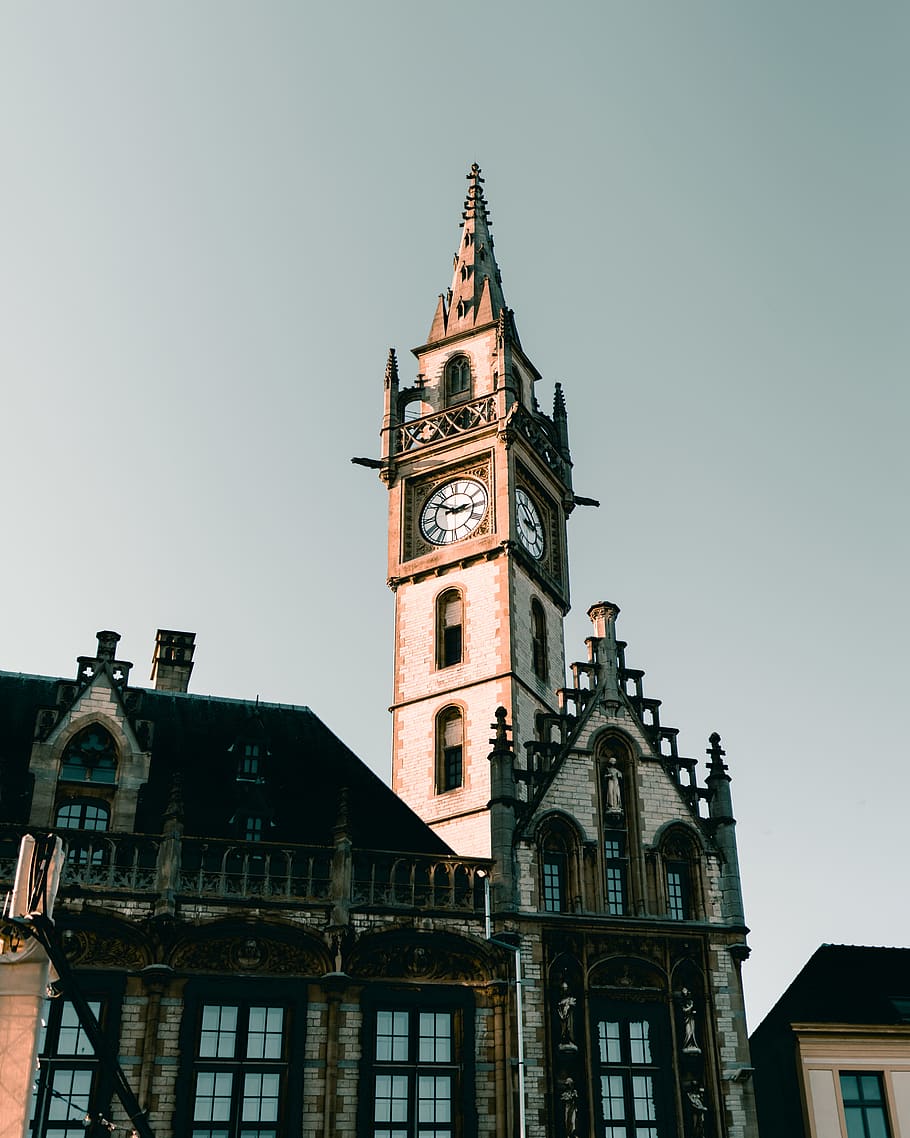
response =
{"points": [[172, 663]]}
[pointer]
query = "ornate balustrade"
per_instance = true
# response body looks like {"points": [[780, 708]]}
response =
{"points": [[443, 424], [210, 868]]}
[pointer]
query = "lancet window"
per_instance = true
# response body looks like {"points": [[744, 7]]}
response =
{"points": [[449, 628]]}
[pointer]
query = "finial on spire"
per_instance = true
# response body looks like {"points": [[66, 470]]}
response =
{"points": [[391, 369], [502, 742]]}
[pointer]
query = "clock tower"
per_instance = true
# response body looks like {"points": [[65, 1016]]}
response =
{"points": [[480, 487]]}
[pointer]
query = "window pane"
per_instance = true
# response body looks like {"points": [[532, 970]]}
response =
{"points": [[71, 1039], [392, 1037], [552, 883], [435, 1037], [849, 1086], [266, 1027], [608, 1038], [675, 895], [70, 1093], [434, 1098], [854, 1119], [218, 1038], [643, 1098], [213, 1096], [612, 1098], [870, 1088], [875, 1119], [261, 1094], [639, 1043]]}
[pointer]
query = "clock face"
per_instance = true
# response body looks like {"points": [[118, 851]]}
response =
{"points": [[453, 511], [530, 527]]}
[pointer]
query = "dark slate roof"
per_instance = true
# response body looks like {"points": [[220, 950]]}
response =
{"points": [[846, 983], [305, 768]]}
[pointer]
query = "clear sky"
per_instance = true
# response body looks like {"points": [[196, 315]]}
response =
{"points": [[215, 218]]}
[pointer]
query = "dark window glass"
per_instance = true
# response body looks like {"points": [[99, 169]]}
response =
{"points": [[629, 1049], [449, 624], [539, 640], [253, 827], [615, 862], [83, 816], [458, 375], [554, 880], [416, 1074], [865, 1110], [90, 757], [678, 890], [450, 743], [249, 761], [240, 1071]]}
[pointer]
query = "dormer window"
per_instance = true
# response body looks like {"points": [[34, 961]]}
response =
{"points": [[249, 762], [90, 757], [252, 827], [458, 376]]}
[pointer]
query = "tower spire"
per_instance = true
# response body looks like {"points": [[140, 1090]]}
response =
{"points": [[475, 297]]}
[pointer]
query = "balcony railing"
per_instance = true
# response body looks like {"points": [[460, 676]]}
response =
{"points": [[192, 868], [443, 424]]}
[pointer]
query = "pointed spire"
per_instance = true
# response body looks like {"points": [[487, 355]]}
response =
{"points": [[475, 297]]}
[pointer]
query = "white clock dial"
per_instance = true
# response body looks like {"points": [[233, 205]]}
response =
{"points": [[530, 527], [453, 511]]}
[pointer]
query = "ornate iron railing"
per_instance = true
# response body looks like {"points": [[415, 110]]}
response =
{"points": [[418, 882], [443, 424]]}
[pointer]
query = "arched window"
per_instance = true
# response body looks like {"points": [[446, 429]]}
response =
{"points": [[458, 379], [449, 628], [449, 749], [539, 652], [90, 757], [85, 814], [680, 877], [559, 891]]}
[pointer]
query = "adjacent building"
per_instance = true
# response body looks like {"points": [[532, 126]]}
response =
{"points": [[538, 931], [832, 1057]]}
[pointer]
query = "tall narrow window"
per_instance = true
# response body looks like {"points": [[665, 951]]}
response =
{"points": [[90, 757], [249, 762], [554, 873], [253, 825], [458, 378], [865, 1111], [449, 749], [68, 1081], [449, 629], [615, 868], [678, 904], [629, 1044], [416, 1073], [539, 639], [239, 1079]]}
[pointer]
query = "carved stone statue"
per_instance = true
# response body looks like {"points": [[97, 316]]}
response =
{"points": [[565, 1008], [612, 787], [699, 1110], [690, 1043], [570, 1108]]}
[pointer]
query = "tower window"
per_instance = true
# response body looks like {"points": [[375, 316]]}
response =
{"points": [[458, 378], [249, 761], [678, 890], [539, 639], [615, 867], [554, 871], [90, 757], [449, 629], [449, 750], [252, 827]]}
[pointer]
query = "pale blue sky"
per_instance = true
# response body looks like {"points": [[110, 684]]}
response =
{"points": [[215, 219]]}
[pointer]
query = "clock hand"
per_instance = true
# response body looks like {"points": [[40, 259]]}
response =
{"points": [[457, 509]]}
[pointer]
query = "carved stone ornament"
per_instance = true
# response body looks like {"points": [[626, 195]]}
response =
{"points": [[687, 1006], [630, 976], [104, 947], [248, 952], [569, 1097], [695, 1101], [422, 956]]}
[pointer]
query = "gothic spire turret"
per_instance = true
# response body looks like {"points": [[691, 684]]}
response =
{"points": [[475, 297]]}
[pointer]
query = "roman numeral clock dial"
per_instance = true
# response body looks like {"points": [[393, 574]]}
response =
{"points": [[453, 511], [530, 527]]}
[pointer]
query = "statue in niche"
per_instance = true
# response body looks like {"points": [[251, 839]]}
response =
{"points": [[695, 1095], [565, 1008], [613, 787], [690, 1043], [570, 1108]]}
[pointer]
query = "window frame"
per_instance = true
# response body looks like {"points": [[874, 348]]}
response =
{"points": [[539, 641], [107, 765], [864, 1106], [460, 1005], [243, 995], [659, 1068], [104, 993], [447, 761], [444, 602], [464, 391]]}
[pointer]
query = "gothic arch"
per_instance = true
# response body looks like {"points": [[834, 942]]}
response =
{"points": [[560, 872]]}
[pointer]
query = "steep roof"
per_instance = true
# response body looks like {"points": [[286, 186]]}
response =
{"points": [[848, 984], [305, 768]]}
